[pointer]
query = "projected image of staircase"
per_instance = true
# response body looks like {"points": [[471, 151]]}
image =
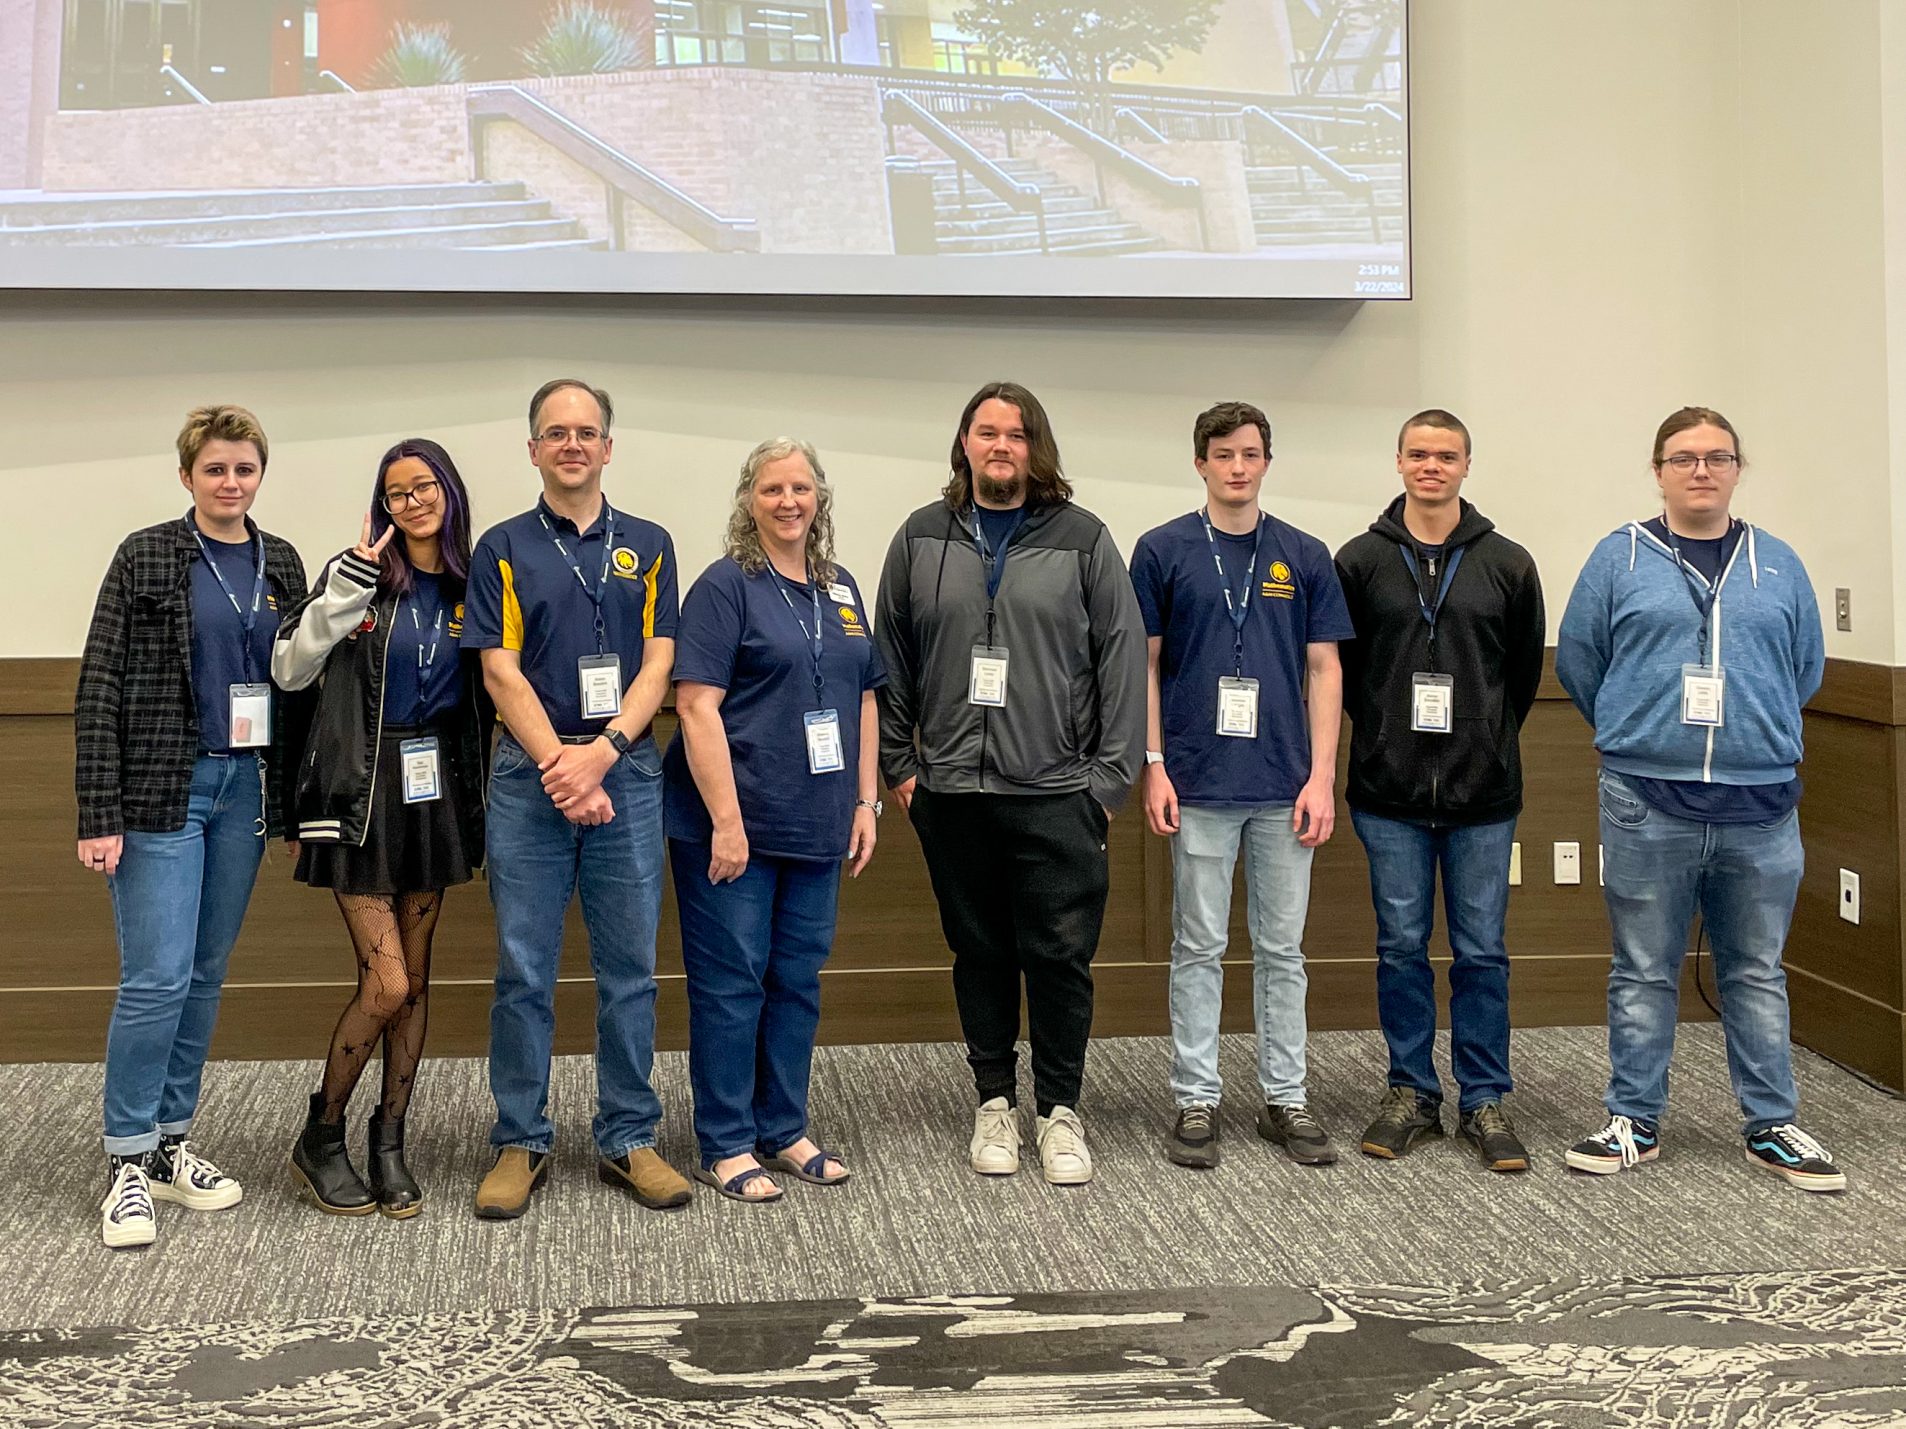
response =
{"points": [[1290, 204], [464, 215], [1076, 222]]}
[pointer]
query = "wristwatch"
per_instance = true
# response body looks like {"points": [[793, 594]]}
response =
{"points": [[615, 737], [1153, 756], [875, 804]]}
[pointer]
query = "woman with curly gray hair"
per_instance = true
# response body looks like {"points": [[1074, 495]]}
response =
{"points": [[768, 788]]}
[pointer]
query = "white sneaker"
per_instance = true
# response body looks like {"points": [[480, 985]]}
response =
{"points": [[125, 1216], [179, 1175], [1062, 1150], [995, 1147]]}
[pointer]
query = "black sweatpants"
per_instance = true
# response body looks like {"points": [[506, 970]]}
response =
{"points": [[1021, 881]]}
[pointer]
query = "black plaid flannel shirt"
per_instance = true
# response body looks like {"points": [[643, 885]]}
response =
{"points": [[134, 718]]}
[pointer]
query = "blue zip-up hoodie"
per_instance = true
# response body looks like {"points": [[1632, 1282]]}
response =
{"points": [[1630, 626]]}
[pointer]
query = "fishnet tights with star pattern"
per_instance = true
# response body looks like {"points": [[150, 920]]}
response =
{"points": [[392, 936]]}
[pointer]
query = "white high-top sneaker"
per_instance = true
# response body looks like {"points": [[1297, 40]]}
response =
{"points": [[125, 1216], [995, 1147], [1062, 1149], [180, 1175]]}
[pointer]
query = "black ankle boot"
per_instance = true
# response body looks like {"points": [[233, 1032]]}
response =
{"points": [[319, 1160], [398, 1195]]}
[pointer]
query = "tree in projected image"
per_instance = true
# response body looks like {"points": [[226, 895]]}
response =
{"points": [[1089, 42]]}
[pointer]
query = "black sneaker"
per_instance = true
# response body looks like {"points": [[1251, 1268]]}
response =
{"points": [[1487, 1129], [1194, 1137], [1788, 1151], [1300, 1134], [1404, 1117], [1624, 1142]]}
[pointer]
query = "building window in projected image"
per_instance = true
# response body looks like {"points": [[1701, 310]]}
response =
{"points": [[1224, 148]]}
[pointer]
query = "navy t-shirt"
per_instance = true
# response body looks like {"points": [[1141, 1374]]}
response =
{"points": [[997, 529], [738, 633], [1690, 798], [1294, 602], [419, 687], [524, 596], [218, 637]]}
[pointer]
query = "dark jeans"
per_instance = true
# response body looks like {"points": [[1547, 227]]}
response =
{"points": [[1021, 881], [1475, 862], [753, 951]]}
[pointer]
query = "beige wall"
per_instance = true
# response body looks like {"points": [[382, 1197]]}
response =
{"points": [[1619, 209]]}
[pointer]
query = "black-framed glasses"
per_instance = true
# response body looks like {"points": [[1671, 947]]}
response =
{"points": [[1718, 462], [562, 436], [423, 494]]}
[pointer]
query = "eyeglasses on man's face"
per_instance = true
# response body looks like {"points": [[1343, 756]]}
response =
{"points": [[563, 436], [423, 494], [1720, 463]]}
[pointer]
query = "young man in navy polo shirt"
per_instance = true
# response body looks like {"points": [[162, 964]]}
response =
{"points": [[1240, 610], [573, 605]]}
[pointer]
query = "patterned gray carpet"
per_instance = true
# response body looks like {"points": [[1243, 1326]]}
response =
{"points": [[1818, 1348], [914, 1221]]}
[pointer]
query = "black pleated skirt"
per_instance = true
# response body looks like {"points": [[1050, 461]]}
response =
{"points": [[408, 848]]}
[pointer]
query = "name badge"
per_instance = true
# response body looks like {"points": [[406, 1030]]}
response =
{"points": [[840, 595], [988, 684], [1237, 707], [1432, 703], [601, 683], [824, 752], [248, 716], [1702, 696], [423, 770]]}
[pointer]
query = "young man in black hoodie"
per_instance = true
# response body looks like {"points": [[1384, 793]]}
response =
{"points": [[1437, 684]]}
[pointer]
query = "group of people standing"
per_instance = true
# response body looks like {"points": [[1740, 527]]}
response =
{"points": [[1010, 683]]}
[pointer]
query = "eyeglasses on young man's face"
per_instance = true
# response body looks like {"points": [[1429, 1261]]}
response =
{"points": [[1720, 463], [423, 495], [563, 436]]}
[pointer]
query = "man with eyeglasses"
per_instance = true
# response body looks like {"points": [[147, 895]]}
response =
{"points": [[573, 605], [1437, 684]]}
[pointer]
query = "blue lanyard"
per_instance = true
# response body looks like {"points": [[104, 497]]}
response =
{"points": [[1430, 612], [608, 552], [248, 617], [813, 637], [1689, 578], [1239, 612]]}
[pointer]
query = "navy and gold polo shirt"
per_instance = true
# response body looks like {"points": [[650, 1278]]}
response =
{"points": [[524, 596]]}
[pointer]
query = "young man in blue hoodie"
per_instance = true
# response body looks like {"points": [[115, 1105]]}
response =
{"points": [[1690, 643]]}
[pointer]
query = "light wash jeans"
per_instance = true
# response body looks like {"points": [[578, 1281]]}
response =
{"points": [[1743, 878], [538, 861], [1204, 852], [178, 901]]}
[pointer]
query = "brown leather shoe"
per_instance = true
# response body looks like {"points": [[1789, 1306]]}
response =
{"points": [[505, 1192], [647, 1177]]}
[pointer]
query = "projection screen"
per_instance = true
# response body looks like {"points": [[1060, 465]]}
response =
{"points": [[1207, 148]]}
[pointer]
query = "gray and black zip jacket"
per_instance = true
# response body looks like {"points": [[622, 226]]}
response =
{"points": [[1075, 689], [337, 639]]}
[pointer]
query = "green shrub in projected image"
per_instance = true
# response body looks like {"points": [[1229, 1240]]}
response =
{"points": [[582, 38], [420, 56]]}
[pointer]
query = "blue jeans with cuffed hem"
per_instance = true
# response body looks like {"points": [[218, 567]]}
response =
{"points": [[179, 899], [753, 950], [538, 861], [1404, 857], [1204, 853], [1743, 880]]}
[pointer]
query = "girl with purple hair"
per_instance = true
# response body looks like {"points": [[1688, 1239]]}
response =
{"points": [[388, 797]]}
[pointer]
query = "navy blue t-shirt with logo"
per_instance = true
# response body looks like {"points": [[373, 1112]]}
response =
{"points": [[419, 687], [738, 633], [524, 596], [218, 637], [1294, 602]]}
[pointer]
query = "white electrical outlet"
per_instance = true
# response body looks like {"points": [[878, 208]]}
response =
{"points": [[1568, 863], [1515, 865], [1849, 895]]}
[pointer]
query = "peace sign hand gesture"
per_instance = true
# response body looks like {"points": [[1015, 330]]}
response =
{"points": [[364, 550]]}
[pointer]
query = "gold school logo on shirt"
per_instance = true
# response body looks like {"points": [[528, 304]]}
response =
{"points": [[624, 563], [456, 622], [1277, 582], [850, 622]]}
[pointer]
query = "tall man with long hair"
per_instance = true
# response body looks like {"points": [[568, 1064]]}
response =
{"points": [[1011, 729]]}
